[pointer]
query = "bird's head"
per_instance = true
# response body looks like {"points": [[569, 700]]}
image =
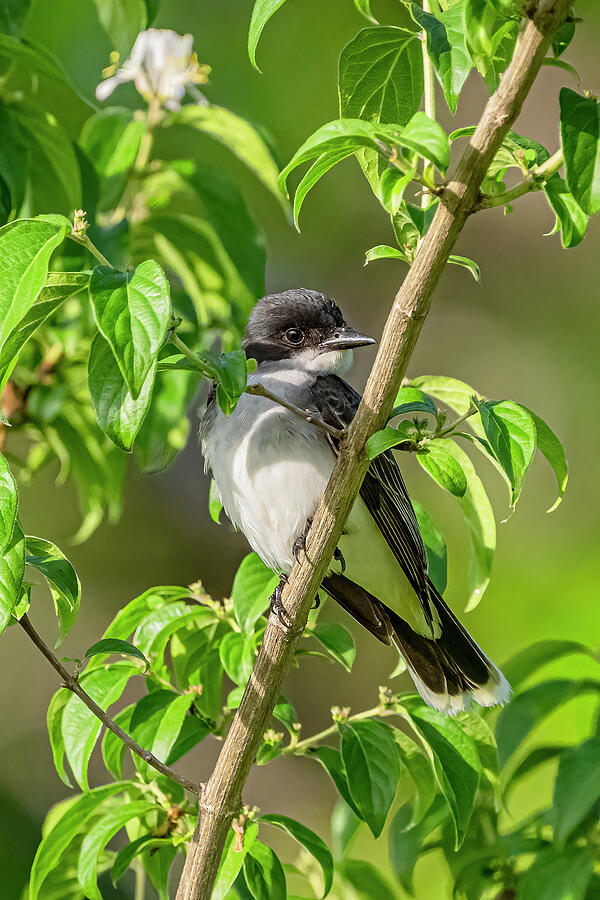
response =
{"points": [[305, 327]]}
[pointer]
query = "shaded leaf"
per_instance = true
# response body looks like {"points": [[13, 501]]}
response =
{"points": [[576, 789], [310, 841], [232, 860], [555, 875], [8, 504], [446, 48], [571, 220], [261, 13], [580, 133], [116, 645], [331, 760], [527, 661], [264, 873], [338, 642], [62, 580], [406, 840], [54, 725], [373, 768], [366, 880], [549, 445]]}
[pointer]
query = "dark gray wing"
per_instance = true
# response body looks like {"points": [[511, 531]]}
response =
{"points": [[383, 489]]}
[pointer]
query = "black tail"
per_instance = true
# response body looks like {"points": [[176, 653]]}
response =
{"points": [[449, 671]]}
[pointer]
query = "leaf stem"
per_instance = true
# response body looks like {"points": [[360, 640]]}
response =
{"points": [[445, 431], [301, 746], [533, 182], [71, 682], [429, 102], [87, 243]]}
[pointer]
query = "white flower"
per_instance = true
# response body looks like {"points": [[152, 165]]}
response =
{"points": [[162, 66]]}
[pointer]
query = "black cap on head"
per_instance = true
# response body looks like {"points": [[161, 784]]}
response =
{"points": [[296, 321]]}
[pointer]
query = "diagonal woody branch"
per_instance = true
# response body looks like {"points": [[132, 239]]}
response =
{"points": [[222, 795]]}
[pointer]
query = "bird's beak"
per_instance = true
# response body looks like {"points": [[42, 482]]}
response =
{"points": [[347, 338]]}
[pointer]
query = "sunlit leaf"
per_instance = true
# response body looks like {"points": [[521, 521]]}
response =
{"points": [[580, 133], [443, 467], [232, 859], [115, 645], [261, 13], [549, 445], [532, 658], [252, 586], [556, 874], [264, 873], [338, 642], [62, 580], [435, 545]]}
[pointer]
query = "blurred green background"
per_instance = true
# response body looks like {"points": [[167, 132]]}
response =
{"points": [[528, 332]]}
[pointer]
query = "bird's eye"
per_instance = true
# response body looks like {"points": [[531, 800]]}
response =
{"points": [[294, 336]]}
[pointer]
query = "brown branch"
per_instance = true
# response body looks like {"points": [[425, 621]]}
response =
{"points": [[72, 684], [410, 307]]}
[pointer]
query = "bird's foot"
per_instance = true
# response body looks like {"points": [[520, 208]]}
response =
{"points": [[300, 542], [317, 602], [339, 557], [275, 604]]}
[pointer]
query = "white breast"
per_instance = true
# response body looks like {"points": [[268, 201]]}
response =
{"points": [[271, 469]]}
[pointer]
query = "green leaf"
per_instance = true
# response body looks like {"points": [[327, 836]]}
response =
{"points": [[8, 504], [310, 841], [549, 445], [571, 220], [576, 789], [166, 426], [537, 757], [115, 645], [237, 135], [62, 580], [450, 391], [466, 263], [435, 545], [342, 137], [232, 860], [580, 133], [25, 247], [511, 433], [364, 8], [80, 726], [215, 506], [322, 164], [54, 725], [383, 251], [232, 373], [285, 712], [143, 844], [407, 840], [98, 837], [264, 873], [380, 80], [57, 287], [133, 314], [455, 762], [390, 437], [237, 655], [338, 642], [557, 875], [156, 723], [261, 13], [119, 415], [409, 399], [373, 768], [64, 829], [122, 22], [447, 48], [365, 880], [419, 768], [252, 586], [531, 707], [530, 659], [30, 55], [331, 760], [344, 825], [225, 206], [443, 467], [481, 527], [13, 161], [13, 15], [490, 38], [54, 179], [111, 139]]}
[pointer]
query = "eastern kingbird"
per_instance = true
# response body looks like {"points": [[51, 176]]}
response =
{"points": [[271, 468]]}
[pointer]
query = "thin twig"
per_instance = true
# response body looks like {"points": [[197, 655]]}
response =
{"points": [[259, 390], [85, 242], [429, 102], [533, 182], [409, 310], [307, 743], [72, 684]]}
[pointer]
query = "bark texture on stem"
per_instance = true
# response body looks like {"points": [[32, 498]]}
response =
{"points": [[222, 795]]}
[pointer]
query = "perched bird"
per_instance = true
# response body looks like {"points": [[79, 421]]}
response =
{"points": [[271, 468]]}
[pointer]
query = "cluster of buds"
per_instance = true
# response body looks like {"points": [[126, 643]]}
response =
{"points": [[387, 698], [340, 713], [272, 737], [247, 814]]}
